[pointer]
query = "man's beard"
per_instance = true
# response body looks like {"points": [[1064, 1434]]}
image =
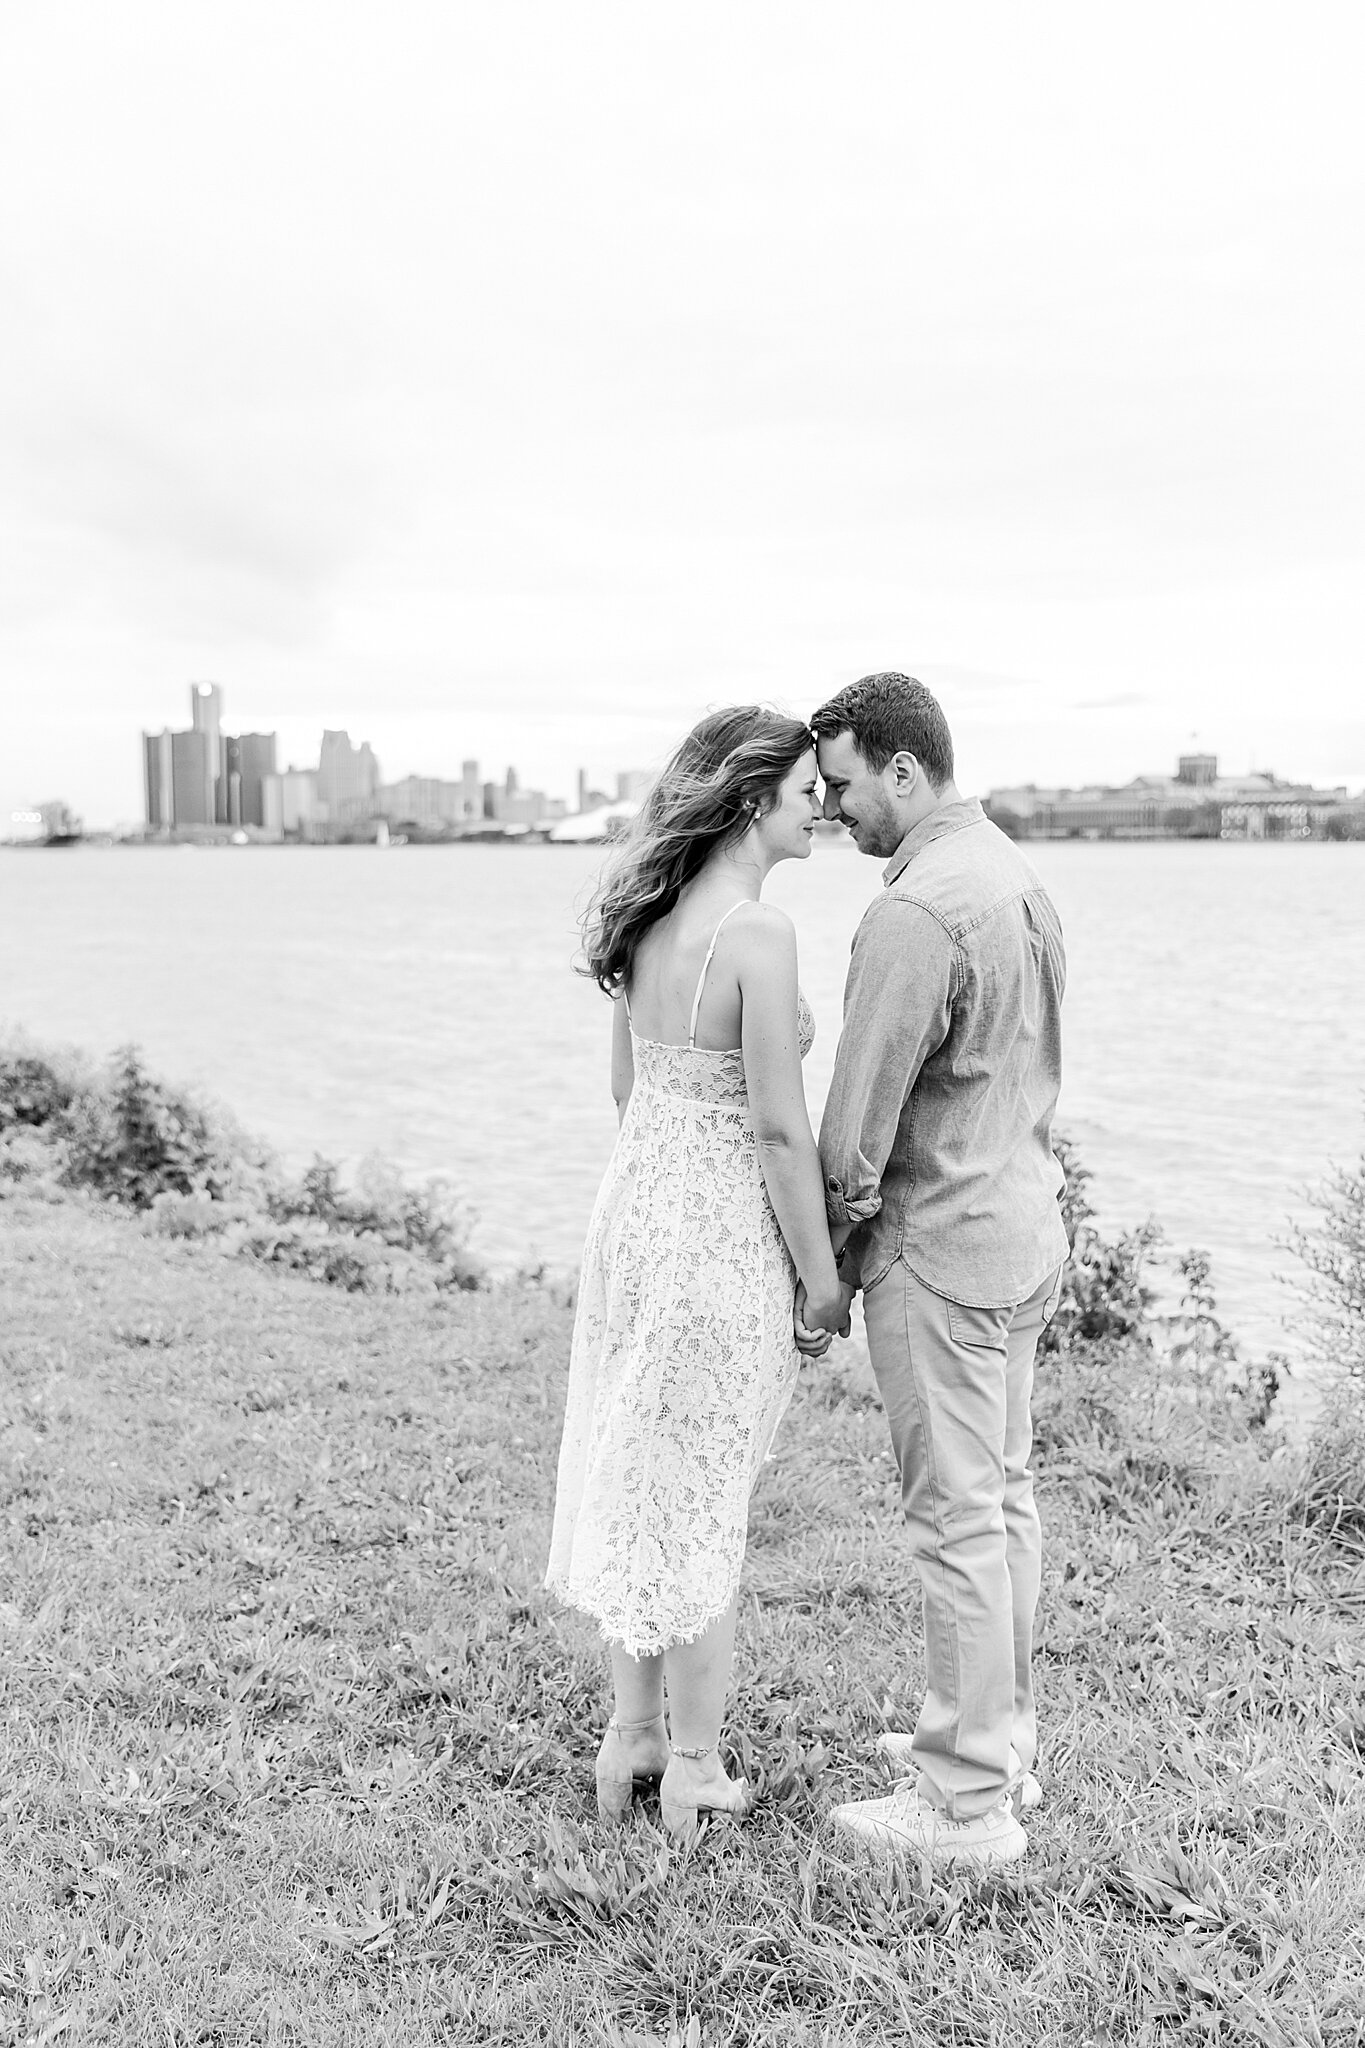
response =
{"points": [[880, 834]]}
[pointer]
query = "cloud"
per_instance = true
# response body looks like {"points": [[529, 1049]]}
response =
{"points": [[524, 394], [235, 517], [972, 682]]}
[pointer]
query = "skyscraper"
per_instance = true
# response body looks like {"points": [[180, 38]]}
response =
{"points": [[156, 778], [249, 758], [193, 782], [204, 776], [206, 706]]}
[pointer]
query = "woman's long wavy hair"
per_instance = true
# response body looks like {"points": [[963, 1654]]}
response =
{"points": [[728, 769]]}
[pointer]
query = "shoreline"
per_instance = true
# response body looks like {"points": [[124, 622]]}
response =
{"points": [[413, 836], [260, 1206]]}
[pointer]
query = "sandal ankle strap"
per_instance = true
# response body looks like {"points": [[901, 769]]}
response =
{"points": [[625, 1726]]}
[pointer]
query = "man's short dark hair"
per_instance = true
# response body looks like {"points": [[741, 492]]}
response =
{"points": [[890, 714]]}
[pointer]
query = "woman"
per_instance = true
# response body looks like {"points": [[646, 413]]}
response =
{"points": [[683, 1355]]}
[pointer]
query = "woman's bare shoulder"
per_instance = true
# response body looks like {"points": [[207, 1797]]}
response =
{"points": [[761, 929]]}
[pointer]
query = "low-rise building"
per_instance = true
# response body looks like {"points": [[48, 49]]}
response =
{"points": [[291, 803], [1194, 803], [466, 806], [422, 800]]}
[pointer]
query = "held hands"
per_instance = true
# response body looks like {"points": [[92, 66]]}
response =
{"points": [[817, 1322]]}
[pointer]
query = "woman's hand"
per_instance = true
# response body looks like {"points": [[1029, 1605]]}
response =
{"points": [[818, 1319], [810, 1343]]}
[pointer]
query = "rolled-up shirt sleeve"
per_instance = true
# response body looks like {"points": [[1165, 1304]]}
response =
{"points": [[897, 1008]]}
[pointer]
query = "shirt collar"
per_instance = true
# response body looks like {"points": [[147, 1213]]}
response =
{"points": [[947, 818]]}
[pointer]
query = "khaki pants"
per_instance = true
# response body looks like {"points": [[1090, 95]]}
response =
{"points": [[956, 1384]]}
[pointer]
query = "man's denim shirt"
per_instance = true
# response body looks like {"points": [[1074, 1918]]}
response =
{"points": [[937, 1135]]}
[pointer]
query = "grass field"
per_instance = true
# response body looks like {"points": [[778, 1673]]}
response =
{"points": [[295, 1750]]}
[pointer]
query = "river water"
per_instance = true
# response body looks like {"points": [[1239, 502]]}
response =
{"points": [[419, 1002]]}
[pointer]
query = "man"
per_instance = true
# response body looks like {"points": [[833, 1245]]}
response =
{"points": [[941, 1188]]}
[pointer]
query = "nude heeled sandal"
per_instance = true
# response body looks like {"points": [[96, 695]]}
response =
{"points": [[617, 1780], [679, 1815]]}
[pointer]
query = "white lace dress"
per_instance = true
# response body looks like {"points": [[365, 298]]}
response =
{"points": [[683, 1359]]}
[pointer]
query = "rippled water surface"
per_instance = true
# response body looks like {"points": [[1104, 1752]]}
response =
{"points": [[419, 1002]]}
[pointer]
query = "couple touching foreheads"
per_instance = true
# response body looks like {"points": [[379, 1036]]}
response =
{"points": [[725, 1244]]}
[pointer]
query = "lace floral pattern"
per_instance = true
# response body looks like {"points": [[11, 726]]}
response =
{"points": [[682, 1361]]}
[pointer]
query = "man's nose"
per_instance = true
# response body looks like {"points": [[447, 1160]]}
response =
{"points": [[830, 807]]}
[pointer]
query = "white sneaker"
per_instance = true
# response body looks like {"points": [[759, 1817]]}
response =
{"points": [[903, 1824], [898, 1749]]}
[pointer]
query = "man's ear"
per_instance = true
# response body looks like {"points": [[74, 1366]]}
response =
{"points": [[907, 773]]}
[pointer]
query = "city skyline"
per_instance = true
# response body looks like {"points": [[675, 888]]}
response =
{"points": [[570, 776], [202, 777]]}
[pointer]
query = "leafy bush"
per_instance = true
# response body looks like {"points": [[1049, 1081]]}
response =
{"points": [[1105, 1302], [1208, 1353], [133, 1139], [322, 1254], [34, 1089], [430, 1220], [1331, 1317], [430, 1224], [189, 1215], [25, 1154], [1329, 1494], [1331, 1290], [360, 1264], [1103, 1292], [136, 1138]]}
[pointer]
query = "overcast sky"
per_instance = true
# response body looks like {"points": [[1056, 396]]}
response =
{"points": [[519, 380]]}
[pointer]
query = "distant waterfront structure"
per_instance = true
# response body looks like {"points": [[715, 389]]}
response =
{"points": [[591, 828], [1195, 803], [292, 805], [589, 799], [322, 802], [632, 787], [51, 824], [427, 801], [467, 808], [511, 805], [347, 776]]}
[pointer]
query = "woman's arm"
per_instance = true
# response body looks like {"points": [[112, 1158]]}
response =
{"points": [[622, 1057], [766, 945]]}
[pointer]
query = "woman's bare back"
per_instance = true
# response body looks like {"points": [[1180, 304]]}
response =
{"points": [[670, 961]]}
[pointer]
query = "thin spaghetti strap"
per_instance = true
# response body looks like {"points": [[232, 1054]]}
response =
{"points": [[701, 978]]}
